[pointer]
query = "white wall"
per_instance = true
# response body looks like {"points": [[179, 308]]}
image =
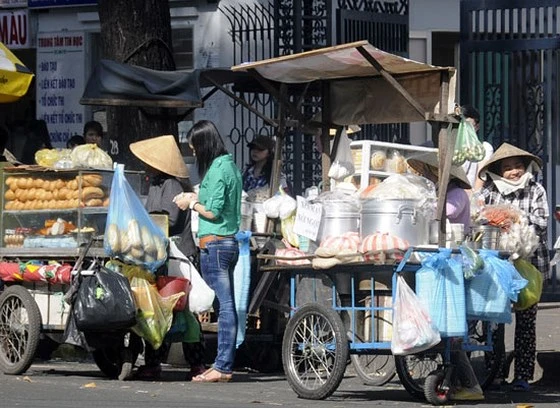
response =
{"points": [[434, 15]]}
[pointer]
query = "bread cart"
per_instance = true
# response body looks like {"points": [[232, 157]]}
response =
{"points": [[51, 224]]}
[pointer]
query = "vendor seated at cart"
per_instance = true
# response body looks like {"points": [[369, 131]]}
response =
{"points": [[169, 177], [457, 208], [258, 172]]}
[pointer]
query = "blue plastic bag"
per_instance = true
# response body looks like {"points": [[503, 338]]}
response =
{"points": [[241, 283], [130, 233], [441, 287], [489, 295]]}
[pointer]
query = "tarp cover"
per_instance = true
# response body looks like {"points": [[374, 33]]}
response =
{"points": [[359, 94], [117, 84]]}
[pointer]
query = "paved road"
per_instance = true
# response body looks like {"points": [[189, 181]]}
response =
{"points": [[61, 384], [72, 384]]}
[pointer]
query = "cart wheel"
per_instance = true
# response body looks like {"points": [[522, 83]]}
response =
{"points": [[435, 391], [485, 364], [20, 327], [314, 351], [374, 369], [414, 369], [116, 362]]}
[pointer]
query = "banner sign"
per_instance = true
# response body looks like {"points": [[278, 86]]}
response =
{"points": [[14, 29], [60, 84], [59, 3]]}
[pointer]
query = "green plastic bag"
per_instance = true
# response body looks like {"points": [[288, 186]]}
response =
{"points": [[530, 294], [467, 146]]}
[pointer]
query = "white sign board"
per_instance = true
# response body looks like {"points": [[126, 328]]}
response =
{"points": [[60, 84], [14, 29], [308, 218]]}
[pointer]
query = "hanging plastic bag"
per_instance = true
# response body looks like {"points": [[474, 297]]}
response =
{"points": [[441, 286], [130, 233], [489, 294], [530, 294], [155, 313], [104, 302], [343, 165], [467, 146], [201, 296], [413, 329], [241, 283]]}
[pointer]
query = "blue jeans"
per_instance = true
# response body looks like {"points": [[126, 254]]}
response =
{"points": [[217, 262]]}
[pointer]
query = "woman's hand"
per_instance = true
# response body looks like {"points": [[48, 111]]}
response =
{"points": [[183, 200]]}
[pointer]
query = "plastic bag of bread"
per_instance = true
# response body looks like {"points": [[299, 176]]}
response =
{"points": [[90, 155], [130, 233]]}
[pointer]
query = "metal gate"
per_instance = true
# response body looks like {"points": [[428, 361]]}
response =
{"points": [[385, 25], [510, 63]]}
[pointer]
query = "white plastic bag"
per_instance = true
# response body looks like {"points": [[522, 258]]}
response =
{"points": [[201, 296], [343, 165], [413, 329]]}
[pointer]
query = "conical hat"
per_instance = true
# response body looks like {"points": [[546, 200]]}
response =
{"points": [[506, 150], [419, 162], [163, 154]]}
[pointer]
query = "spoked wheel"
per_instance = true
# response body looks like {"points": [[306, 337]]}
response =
{"points": [[415, 368], [485, 363], [20, 327], [314, 351], [435, 389], [374, 369]]}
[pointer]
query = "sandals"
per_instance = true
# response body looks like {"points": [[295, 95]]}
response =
{"points": [[520, 386], [212, 376]]}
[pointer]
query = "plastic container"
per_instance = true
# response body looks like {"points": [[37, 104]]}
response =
{"points": [[171, 285]]}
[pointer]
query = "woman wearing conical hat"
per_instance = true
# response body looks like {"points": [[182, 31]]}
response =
{"points": [[509, 178], [169, 176]]}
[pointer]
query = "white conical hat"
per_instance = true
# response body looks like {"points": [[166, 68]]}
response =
{"points": [[161, 153]]}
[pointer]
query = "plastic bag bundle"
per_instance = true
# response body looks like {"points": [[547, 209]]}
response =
{"points": [[413, 329], [467, 146], [441, 287], [130, 233], [90, 155], [489, 295], [530, 294], [154, 313]]}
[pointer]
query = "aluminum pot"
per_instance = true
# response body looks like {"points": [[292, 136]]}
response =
{"points": [[338, 218], [399, 217]]}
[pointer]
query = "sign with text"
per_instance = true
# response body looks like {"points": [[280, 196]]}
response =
{"points": [[13, 3], [14, 29], [308, 218], [60, 84]]}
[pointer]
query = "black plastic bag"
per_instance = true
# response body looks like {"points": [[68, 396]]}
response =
{"points": [[104, 302]]}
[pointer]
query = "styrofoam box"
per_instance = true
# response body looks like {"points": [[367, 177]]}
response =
{"points": [[54, 311]]}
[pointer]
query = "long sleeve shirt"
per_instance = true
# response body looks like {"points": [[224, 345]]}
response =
{"points": [[532, 200]]}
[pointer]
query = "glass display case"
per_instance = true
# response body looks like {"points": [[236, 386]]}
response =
{"points": [[374, 160], [55, 209]]}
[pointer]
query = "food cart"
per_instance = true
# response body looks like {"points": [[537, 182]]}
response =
{"points": [[51, 227], [361, 84]]}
